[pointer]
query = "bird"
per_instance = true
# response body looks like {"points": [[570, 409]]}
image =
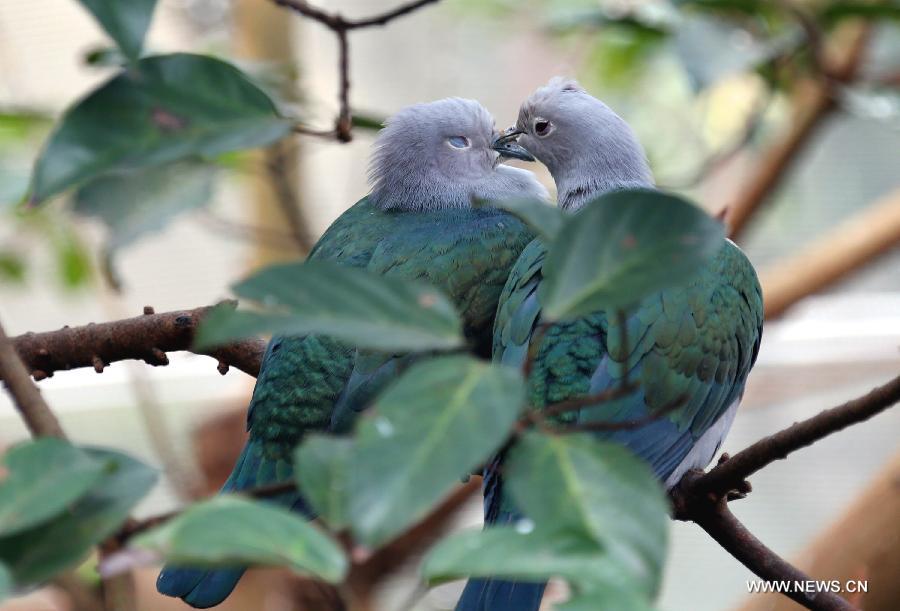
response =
{"points": [[693, 343], [430, 162]]}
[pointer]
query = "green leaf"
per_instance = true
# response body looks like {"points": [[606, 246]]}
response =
{"points": [[12, 267], [577, 483], [521, 552], [162, 109], [354, 305], [39, 553], [40, 480], [6, 583], [105, 57], [440, 420], [125, 21], [230, 530], [622, 247], [545, 219], [132, 203], [73, 261], [321, 467], [367, 121]]}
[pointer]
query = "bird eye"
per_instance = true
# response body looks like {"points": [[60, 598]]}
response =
{"points": [[458, 142], [542, 127]]}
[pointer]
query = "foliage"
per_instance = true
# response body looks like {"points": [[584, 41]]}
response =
{"points": [[147, 145], [354, 305], [34, 550], [597, 517], [257, 533]]}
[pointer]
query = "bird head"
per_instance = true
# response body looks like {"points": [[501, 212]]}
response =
{"points": [[587, 147], [439, 155]]}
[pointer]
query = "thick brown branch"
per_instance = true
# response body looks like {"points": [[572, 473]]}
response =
{"points": [[148, 338], [730, 474], [724, 527], [41, 422]]}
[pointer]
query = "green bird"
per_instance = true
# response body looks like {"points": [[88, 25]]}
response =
{"points": [[430, 162], [696, 342]]}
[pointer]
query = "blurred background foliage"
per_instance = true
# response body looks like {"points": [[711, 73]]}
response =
{"points": [[712, 87]]}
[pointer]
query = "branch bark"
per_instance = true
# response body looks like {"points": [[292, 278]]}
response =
{"points": [[38, 417], [730, 474], [718, 521], [148, 338], [860, 545]]}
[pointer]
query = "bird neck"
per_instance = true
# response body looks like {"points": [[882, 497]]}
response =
{"points": [[587, 181]]}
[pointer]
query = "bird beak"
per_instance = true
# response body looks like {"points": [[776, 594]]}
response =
{"points": [[506, 145]]}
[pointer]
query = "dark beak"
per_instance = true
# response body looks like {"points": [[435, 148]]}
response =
{"points": [[506, 145]]}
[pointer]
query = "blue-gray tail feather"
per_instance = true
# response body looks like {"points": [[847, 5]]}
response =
{"points": [[203, 588], [499, 595]]}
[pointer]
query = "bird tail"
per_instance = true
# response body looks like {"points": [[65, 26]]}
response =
{"points": [[490, 594], [501, 595], [203, 588]]}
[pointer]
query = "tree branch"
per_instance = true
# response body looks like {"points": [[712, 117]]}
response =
{"points": [[148, 338], [718, 521], [730, 474], [341, 26], [41, 422]]}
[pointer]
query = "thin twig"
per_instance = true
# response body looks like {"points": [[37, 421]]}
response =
{"points": [[341, 26], [38, 417], [625, 425], [277, 162]]}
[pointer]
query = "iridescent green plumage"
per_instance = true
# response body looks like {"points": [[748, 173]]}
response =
{"points": [[316, 383], [694, 343]]}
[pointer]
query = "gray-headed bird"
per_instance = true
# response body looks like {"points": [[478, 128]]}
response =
{"points": [[693, 343], [430, 162]]}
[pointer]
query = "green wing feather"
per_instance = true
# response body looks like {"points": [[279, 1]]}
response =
{"points": [[697, 341]]}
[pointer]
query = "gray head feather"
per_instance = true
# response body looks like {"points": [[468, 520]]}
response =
{"points": [[438, 155], [587, 147]]}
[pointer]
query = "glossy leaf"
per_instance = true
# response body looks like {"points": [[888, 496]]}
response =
{"points": [[582, 485], [521, 553], [132, 203], [321, 466], [440, 420], [229, 530], [623, 246], [41, 479], [354, 305], [163, 108], [39, 553], [545, 219], [125, 22]]}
